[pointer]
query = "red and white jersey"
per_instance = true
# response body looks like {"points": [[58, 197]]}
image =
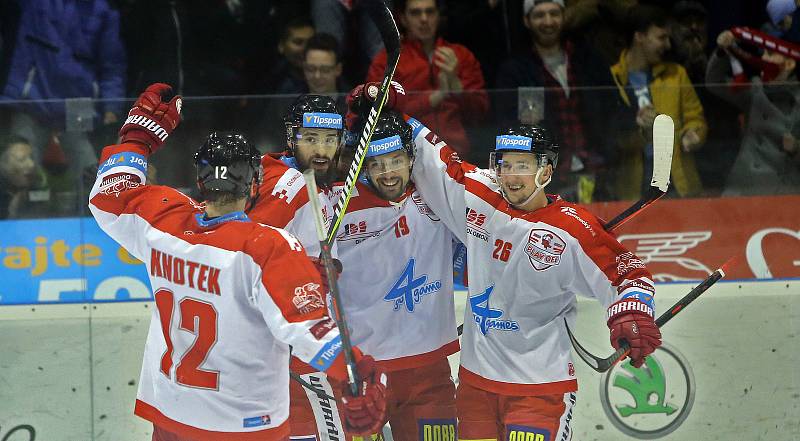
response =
{"points": [[283, 203], [525, 270], [231, 296], [397, 282]]}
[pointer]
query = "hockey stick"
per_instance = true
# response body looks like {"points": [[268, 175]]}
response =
{"points": [[663, 138], [320, 393], [330, 273], [604, 364], [383, 19]]}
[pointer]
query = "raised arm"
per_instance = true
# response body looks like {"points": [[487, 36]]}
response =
{"points": [[119, 195]]}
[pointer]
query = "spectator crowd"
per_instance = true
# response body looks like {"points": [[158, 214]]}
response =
{"points": [[594, 72]]}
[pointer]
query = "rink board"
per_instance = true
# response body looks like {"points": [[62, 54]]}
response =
{"points": [[69, 371]]}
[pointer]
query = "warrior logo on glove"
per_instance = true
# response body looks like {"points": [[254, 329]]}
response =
{"points": [[151, 121]]}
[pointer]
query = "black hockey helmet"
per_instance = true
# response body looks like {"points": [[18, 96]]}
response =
{"points": [[311, 111], [227, 162], [525, 138]]}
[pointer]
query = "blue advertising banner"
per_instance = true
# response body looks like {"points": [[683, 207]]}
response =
{"points": [[66, 261], [72, 260]]}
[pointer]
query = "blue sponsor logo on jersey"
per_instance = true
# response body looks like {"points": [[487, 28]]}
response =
{"points": [[324, 358], [322, 120], [416, 127], [513, 142], [262, 420], [487, 318], [124, 159], [409, 291]]}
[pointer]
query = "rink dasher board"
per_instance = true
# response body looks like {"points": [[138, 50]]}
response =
{"points": [[666, 294]]}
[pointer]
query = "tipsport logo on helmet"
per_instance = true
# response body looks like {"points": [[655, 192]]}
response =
{"points": [[385, 145], [652, 401], [322, 120], [513, 142]]}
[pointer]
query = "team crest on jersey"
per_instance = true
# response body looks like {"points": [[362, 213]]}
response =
{"points": [[409, 290], [475, 227], [487, 318], [544, 249], [308, 298], [117, 183], [423, 207]]}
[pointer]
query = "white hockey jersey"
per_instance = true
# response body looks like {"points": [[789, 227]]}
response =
{"points": [[231, 296], [397, 282], [525, 270]]}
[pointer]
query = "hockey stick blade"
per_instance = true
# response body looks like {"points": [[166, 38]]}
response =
{"points": [[603, 364], [330, 273], [663, 139], [380, 14]]}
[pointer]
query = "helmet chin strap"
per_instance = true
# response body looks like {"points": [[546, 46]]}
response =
{"points": [[539, 188]]}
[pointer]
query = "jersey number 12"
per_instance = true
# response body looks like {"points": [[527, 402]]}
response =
{"points": [[199, 318]]}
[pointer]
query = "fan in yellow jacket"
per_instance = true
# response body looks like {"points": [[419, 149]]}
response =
{"points": [[649, 86]]}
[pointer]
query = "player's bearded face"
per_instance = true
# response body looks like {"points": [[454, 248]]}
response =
{"points": [[516, 174], [389, 173], [315, 149]]}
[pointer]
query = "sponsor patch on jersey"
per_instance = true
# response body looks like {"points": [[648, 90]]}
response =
{"points": [[573, 213], [436, 429], [322, 120], [124, 159], [322, 328], [289, 185], [119, 182], [356, 231], [544, 248], [627, 262], [635, 284], [416, 127], [308, 298], [486, 317], [475, 228], [257, 421], [423, 208], [409, 290], [325, 357], [526, 433]]}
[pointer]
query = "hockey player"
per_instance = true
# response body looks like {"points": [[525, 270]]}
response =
{"points": [[314, 135], [231, 295], [530, 254], [397, 285]]}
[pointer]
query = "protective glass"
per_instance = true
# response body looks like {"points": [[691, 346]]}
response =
{"points": [[379, 165], [325, 138], [514, 163]]}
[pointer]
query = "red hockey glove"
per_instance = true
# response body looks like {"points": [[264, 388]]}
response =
{"points": [[628, 321], [363, 95], [366, 414], [151, 121]]}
